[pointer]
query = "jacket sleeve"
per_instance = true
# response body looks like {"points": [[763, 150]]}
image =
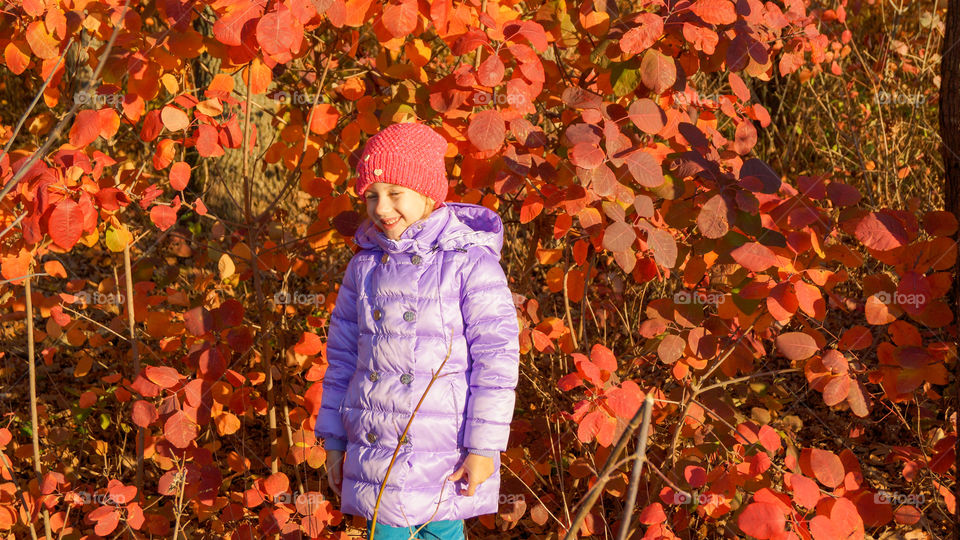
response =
{"points": [[342, 361], [493, 341]]}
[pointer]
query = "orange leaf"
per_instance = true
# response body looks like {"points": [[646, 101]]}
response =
{"points": [[174, 118], [42, 43], [324, 119], [85, 128]]}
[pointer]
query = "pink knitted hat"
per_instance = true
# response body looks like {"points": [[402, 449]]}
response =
{"points": [[406, 154]]}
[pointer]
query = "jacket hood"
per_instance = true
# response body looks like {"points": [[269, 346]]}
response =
{"points": [[452, 226]]}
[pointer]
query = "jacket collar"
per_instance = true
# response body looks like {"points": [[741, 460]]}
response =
{"points": [[452, 226]]}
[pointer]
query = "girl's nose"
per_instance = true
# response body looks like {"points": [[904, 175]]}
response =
{"points": [[383, 205]]}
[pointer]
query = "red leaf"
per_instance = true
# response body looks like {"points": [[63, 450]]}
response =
{"points": [[715, 11], [745, 137], [569, 382], [652, 514], [400, 18], [663, 245], [207, 141], [703, 38], [647, 116], [198, 321], [714, 218], [276, 484], [881, 231], [842, 194], [796, 345], [644, 168], [179, 175], [769, 439], [754, 256], [531, 208], [645, 31], [587, 155], [618, 236], [491, 71], [805, 491], [603, 358], [590, 426], [739, 87], [85, 128], [836, 390], [671, 349], [827, 467], [696, 476], [487, 130], [279, 32], [822, 528], [144, 413], [762, 520], [163, 216], [66, 223], [179, 430], [658, 71], [530, 30], [107, 522], [625, 400], [309, 344], [162, 376]]}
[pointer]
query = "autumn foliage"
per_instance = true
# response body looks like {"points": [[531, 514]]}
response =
{"points": [[783, 325]]}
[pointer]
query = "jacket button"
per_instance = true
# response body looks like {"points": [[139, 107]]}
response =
{"points": [[416, 259], [408, 316], [374, 376], [377, 314], [371, 437], [384, 258], [406, 378]]}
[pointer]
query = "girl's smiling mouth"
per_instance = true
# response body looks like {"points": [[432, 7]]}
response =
{"points": [[389, 223]]}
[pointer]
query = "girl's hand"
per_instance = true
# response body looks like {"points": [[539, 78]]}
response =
{"points": [[477, 469], [335, 470]]}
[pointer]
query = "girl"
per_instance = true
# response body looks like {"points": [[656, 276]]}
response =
{"points": [[425, 270]]}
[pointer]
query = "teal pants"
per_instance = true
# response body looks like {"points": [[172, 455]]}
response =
{"points": [[435, 530]]}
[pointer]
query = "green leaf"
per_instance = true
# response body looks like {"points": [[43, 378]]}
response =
{"points": [[104, 421], [625, 77]]}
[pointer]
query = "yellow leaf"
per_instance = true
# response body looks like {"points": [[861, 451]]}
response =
{"points": [[227, 424], [170, 84], [226, 266], [210, 107], [118, 238], [84, 363]]}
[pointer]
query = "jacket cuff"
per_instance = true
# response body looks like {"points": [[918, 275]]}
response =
{"points": [[484, 453], [334, 444]]}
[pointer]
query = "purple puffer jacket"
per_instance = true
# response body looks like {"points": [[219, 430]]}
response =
{"points": [[389, 331]]}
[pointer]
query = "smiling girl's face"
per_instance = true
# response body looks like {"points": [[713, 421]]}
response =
{"points": [[393, 208]]}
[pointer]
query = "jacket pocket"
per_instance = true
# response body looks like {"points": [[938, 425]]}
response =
{"points": [[457, 408]]}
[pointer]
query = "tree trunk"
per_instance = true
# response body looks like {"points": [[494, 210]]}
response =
{"points": [[950, 135]]}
